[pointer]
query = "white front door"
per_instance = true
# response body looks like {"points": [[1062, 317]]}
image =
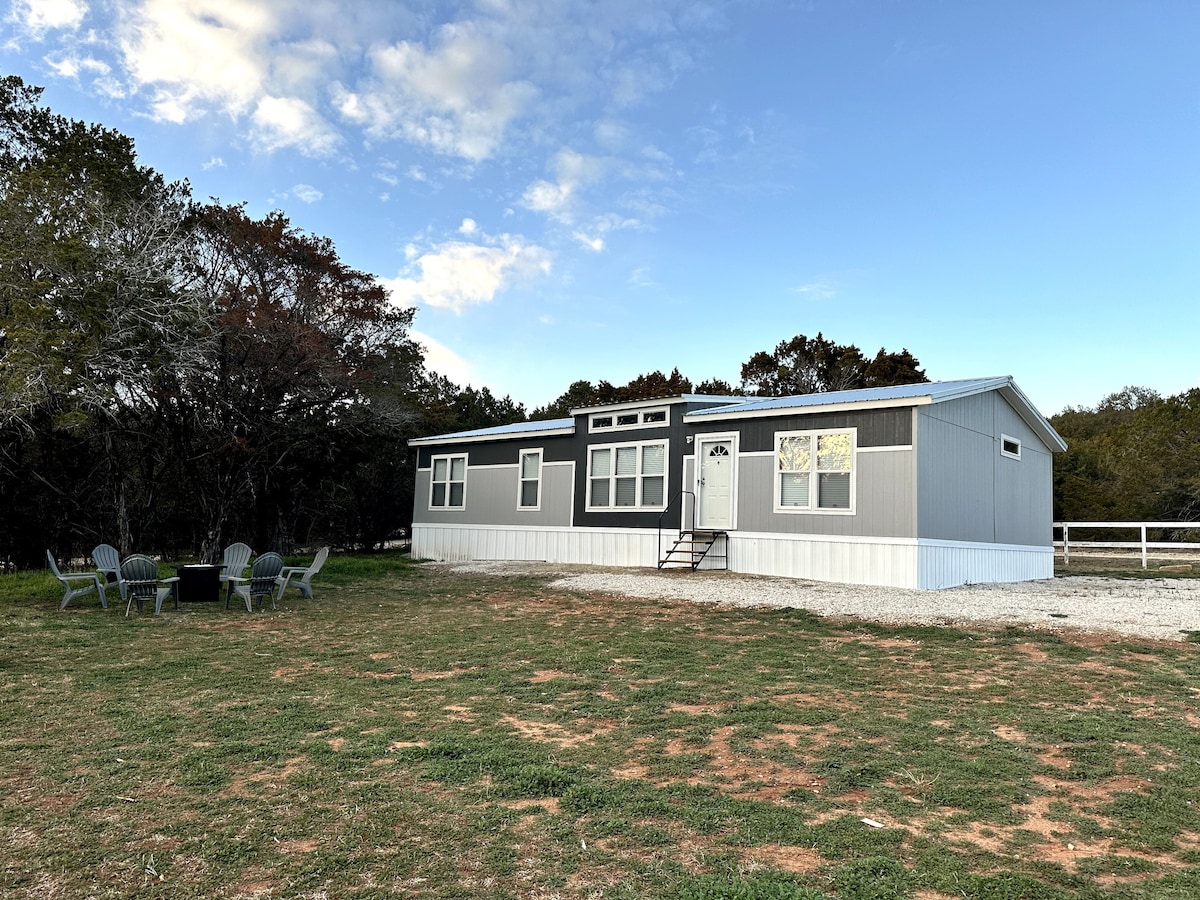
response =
{"points": [[714, 484]]}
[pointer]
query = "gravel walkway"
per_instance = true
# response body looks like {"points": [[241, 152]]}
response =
{"points": [[1165, 609]]}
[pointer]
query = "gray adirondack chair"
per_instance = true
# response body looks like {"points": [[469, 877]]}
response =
{"points": [[142, 584], [233, 565], [301, 576], [264, 581], [77, 584], [108, 564]]}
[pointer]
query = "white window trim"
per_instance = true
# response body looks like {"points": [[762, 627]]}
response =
{"points": [[1005, 438], [640, 423], [612, 492], [813, 491], [449, 457], [521, 479]]}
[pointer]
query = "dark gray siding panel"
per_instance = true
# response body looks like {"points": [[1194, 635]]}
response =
{"points": [[967, 491], [673, 433], [557, 448], [876, 428]]}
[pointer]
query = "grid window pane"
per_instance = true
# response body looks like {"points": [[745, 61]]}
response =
{"points": [[652, 491], [626, 492], [833, 452], [456, 493], [599, 492], [529, 493], [833, 491], [654, 459], [458, 468], [439, 495], [627, 460], [529, 465], [794, 453], [793, 490], [601, 462], [439, 469]]}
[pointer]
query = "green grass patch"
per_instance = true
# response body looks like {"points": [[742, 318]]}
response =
{"points": [[415, 732]]}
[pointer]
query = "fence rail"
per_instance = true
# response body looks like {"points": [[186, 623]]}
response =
{"points": [[1146, 545]]}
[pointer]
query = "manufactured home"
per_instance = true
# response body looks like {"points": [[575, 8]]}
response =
{"points": [[920, 486]]}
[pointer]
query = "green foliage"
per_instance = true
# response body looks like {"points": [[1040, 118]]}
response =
{"points": [[1135, 457], [804, 365]]}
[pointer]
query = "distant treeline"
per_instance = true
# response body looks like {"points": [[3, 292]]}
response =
{"points": [[1134, 457]]}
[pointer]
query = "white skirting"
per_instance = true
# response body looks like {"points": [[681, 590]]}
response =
{"points": [[895, 562]]}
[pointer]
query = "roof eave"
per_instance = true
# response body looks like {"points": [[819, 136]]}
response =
{"points": [[438, 440], [775, 412]]}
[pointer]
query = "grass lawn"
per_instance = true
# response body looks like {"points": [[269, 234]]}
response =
{"points": [[417, 733]]}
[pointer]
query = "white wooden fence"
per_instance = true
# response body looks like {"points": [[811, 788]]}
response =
{"points": [[1146, 545]]}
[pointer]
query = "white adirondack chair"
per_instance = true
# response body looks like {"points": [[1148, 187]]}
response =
{"points": [[77, 584], [301, 576]]}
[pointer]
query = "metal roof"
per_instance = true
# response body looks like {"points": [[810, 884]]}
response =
{"points": [[517, 429], [881, 397], [755, 407], [935, 391]]}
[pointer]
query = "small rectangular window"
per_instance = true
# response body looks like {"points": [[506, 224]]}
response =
{"points": [[602, 422], [529, 479], [1010, 447], [627, 419], [658, 415], [448, 482]]}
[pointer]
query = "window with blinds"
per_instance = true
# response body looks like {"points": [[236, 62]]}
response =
{"points": [[814, 471], [448, 482], [628, 476], [529, 480]]}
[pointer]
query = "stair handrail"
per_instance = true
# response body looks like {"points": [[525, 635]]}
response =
{"points": [[667, 509]]}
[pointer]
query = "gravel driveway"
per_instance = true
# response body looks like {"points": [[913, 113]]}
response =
{"points": [[1166, 609]]}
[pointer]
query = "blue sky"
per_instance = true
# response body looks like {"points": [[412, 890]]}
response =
{"points": [[596, 190]]}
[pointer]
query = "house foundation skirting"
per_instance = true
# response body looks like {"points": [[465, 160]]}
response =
{"points": [[894, 562]]}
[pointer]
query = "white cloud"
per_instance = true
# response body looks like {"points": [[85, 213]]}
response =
{"points": [[817, 290], [457, 97], [574, 171], [468, 226], [39, 16], [74, 66], [595, 243], [456, 274], [441, 359], [196, 53], [290, 122], [215, 162], [306, 193]]}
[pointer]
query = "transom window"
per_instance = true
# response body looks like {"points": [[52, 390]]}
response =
{"points": [[448, 483], [529, 486], [814, 471], [1010, 447], [634, 418], [627, 476]]}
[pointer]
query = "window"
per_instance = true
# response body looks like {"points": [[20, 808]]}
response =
{"points": [[644, 418], [1010, 447], [814, 471], [448, 484], [529, 479], [627, 476]]}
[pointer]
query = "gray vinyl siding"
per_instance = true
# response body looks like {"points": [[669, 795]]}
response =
{"points": [[491, 498], [967, 491], [885, 504]]}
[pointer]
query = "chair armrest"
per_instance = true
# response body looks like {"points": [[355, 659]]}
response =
{"points": [[171, 580], [293, 570], [236, 579], [79, 576]]}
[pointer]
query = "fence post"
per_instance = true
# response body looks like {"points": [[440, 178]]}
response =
{"points": [[1066, 546], [1143, 545]]}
